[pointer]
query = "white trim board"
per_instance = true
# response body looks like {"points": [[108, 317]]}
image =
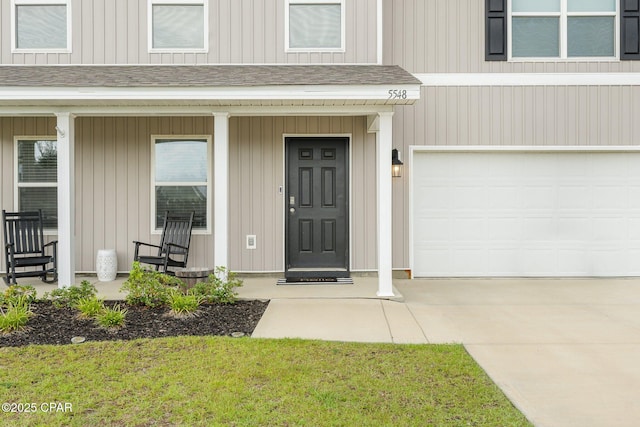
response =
{"points": [[528, 79]]}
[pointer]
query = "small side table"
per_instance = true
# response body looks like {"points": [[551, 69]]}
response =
{"points": [[106, 265]]}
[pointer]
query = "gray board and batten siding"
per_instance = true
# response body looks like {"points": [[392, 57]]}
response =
{"points": [[448, 36], [240, 32], [113, 183]]}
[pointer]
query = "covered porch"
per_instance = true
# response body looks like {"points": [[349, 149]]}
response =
{"points": [[124, 106]]}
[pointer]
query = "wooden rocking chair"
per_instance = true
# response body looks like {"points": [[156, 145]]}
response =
{"points": [[25, 247], [175, 240]]}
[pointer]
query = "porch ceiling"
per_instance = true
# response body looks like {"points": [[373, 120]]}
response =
{"points": [[207, 85]]}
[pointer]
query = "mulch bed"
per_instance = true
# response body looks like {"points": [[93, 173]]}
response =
{"points": [[52, 325]]}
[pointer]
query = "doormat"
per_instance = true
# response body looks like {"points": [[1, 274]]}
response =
{"points": [[316, 281]]}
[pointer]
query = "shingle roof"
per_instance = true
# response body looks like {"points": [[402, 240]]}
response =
{"points": [[119, 76]]}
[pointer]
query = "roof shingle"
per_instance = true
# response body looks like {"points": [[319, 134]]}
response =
{"points": [[119, 76]]}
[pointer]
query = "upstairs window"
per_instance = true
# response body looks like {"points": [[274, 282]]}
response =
{"points": [[178, 25], [37, 177], [563, 28], [315, 25], [41, 25], [182, 179]]}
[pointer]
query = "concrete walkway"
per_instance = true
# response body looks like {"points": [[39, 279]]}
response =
{"points": [[566, 352]]}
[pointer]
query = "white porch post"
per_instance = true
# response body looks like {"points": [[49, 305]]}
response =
{"points": [[221, 189], [384, 145], [66, 199]]}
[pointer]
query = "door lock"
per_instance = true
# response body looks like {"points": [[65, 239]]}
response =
{"points": [[292, 200]]}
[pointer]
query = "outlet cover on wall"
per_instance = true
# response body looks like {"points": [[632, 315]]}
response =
{"points": [[251, 241]]}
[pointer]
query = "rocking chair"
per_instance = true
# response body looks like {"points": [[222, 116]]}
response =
{"points": [[25, 247], [175, 240]]}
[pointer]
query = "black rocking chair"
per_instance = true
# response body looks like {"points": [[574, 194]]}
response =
{"points": [[25, 247], [175, 240]]}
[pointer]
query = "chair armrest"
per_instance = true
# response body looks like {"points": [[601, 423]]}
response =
{"points": [[145, 244], [177, 246], [53, 243]]}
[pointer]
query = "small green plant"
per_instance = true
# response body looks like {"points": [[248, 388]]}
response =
{"points": [[219, 287], [15, 292], [16, 315], [148, 287], [183, 305], [112, 317], [69, 296], [90, 307]]}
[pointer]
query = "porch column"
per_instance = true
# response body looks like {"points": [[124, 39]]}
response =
{"points": [[384, 145], [66, 200], [221, 189]]}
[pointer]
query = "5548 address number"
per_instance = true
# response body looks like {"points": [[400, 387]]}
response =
{"points": [[397, 94]]}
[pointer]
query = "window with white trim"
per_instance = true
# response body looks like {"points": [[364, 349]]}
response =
{"points": [[37, 177], [563, 28], [41, 25], [181, 178], [315, 25], [178, 25]]}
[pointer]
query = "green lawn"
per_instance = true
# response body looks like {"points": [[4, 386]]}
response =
{"points": [[249, 382]]}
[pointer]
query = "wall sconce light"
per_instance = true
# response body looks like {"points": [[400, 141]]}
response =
{"points": [[396, 164]]}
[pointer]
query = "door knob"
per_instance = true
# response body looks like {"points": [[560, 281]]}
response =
{"points": [[292, 210]]}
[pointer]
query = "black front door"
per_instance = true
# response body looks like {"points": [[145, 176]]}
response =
{"points": [[317, 225]]}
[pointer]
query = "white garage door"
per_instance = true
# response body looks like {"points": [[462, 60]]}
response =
{"points": [[525, 214]]}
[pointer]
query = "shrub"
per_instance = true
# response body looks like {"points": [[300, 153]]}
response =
{"points": [[112, 317], [69, 296], [90, 307], [219, 287], [16, 315], [184, 304], [148, 287], [15, 292]]}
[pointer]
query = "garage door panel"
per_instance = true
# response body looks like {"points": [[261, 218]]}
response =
{"points": [[526, 214]]}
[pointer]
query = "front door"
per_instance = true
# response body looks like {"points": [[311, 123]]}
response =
{"points": [[317, 226]]}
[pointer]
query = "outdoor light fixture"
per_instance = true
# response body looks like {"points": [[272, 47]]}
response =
{"points": [[396, 164]]}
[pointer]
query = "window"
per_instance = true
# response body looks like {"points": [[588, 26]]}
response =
{"points": [[181, 178], [178, 25], [563, 28], [315, 25], [37, 177], [41, 25]]}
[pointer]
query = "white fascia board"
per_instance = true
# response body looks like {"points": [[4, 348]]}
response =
{"points": [[529, 79], [125, 110], [391, 94]]}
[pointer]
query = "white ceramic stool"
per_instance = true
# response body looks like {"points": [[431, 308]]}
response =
{"points": [[106, 265]]}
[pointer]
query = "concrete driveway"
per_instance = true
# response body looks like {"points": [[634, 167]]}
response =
{"points": [[566, 352]]}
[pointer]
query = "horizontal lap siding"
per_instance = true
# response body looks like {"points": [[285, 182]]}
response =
{"points": [[240, 31], [257, 171]]}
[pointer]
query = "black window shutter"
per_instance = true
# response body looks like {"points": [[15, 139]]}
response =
{"points": [[495, 24], [630, 29]]}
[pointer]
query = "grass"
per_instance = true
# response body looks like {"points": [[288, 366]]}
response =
{"points": [[251, 382]]}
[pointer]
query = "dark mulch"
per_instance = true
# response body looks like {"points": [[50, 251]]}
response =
{"points": [[52, 325]]}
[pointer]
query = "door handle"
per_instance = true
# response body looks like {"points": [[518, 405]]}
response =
{"points": [[292, 210]]}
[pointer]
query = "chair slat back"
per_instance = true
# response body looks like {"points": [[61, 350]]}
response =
{"points": [[177, 230], [24, 230]]}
